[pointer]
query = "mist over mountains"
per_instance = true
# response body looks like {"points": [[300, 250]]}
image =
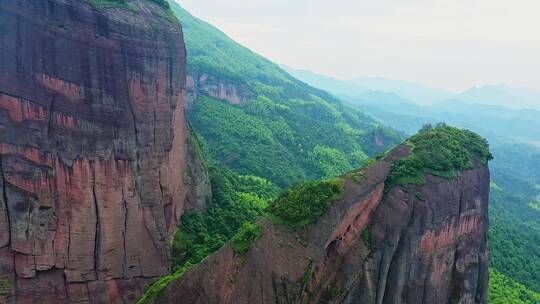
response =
{"points": [[421, 94]]}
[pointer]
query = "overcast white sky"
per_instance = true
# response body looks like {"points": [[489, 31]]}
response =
{"points": [[451, 44]]}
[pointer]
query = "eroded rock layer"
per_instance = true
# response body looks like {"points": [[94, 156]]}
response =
{"points": [[403, 244], [93, 149]]}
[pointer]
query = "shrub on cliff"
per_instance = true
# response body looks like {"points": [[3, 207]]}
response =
{"points": [[247, 234], [442, 151], [304, 204]]}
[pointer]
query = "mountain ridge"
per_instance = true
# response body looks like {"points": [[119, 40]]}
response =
{"points": [[421, 94], [360, 248]]}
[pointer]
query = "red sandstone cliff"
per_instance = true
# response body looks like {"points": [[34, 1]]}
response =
{"points": [[407, 244], [94, 162]]}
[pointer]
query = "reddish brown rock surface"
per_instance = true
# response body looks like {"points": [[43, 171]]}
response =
{"points": [[224, 89], [401, 245], [94, 158]]}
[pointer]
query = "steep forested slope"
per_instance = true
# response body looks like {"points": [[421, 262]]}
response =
{"points": [[515, 230], [256, 119], [505, 290]]}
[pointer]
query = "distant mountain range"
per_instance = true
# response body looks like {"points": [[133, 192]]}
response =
{"points": [[360, 88], [502, 95]]}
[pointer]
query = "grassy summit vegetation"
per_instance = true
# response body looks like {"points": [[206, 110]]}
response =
{"points": [[287, 131], [162, 3], [247, 234], [442, 151]]}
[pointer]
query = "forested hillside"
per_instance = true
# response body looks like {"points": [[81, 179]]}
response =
{"points": [[504, 290], [256, 119]]}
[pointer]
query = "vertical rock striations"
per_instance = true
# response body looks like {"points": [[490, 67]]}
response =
{"points": [[383, 242], [93, 149]]}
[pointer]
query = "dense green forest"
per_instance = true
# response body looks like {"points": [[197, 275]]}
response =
{"points": [[237, 199], [504, 290], [515, 231]]}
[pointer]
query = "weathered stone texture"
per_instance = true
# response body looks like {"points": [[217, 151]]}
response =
{"points": [[93, 148]]}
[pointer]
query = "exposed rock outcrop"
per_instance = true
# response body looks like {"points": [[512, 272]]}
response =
{"points": [[220, 88], [93, 149], [378, 244]]}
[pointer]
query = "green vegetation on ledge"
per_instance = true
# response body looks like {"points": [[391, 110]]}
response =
{"points": [[155, 289], [442, 151], [162, 3], [303, 204], [247, 234]]}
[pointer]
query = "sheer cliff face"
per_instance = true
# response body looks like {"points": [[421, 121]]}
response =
{"points": [[92, 149], [407, 244]]}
